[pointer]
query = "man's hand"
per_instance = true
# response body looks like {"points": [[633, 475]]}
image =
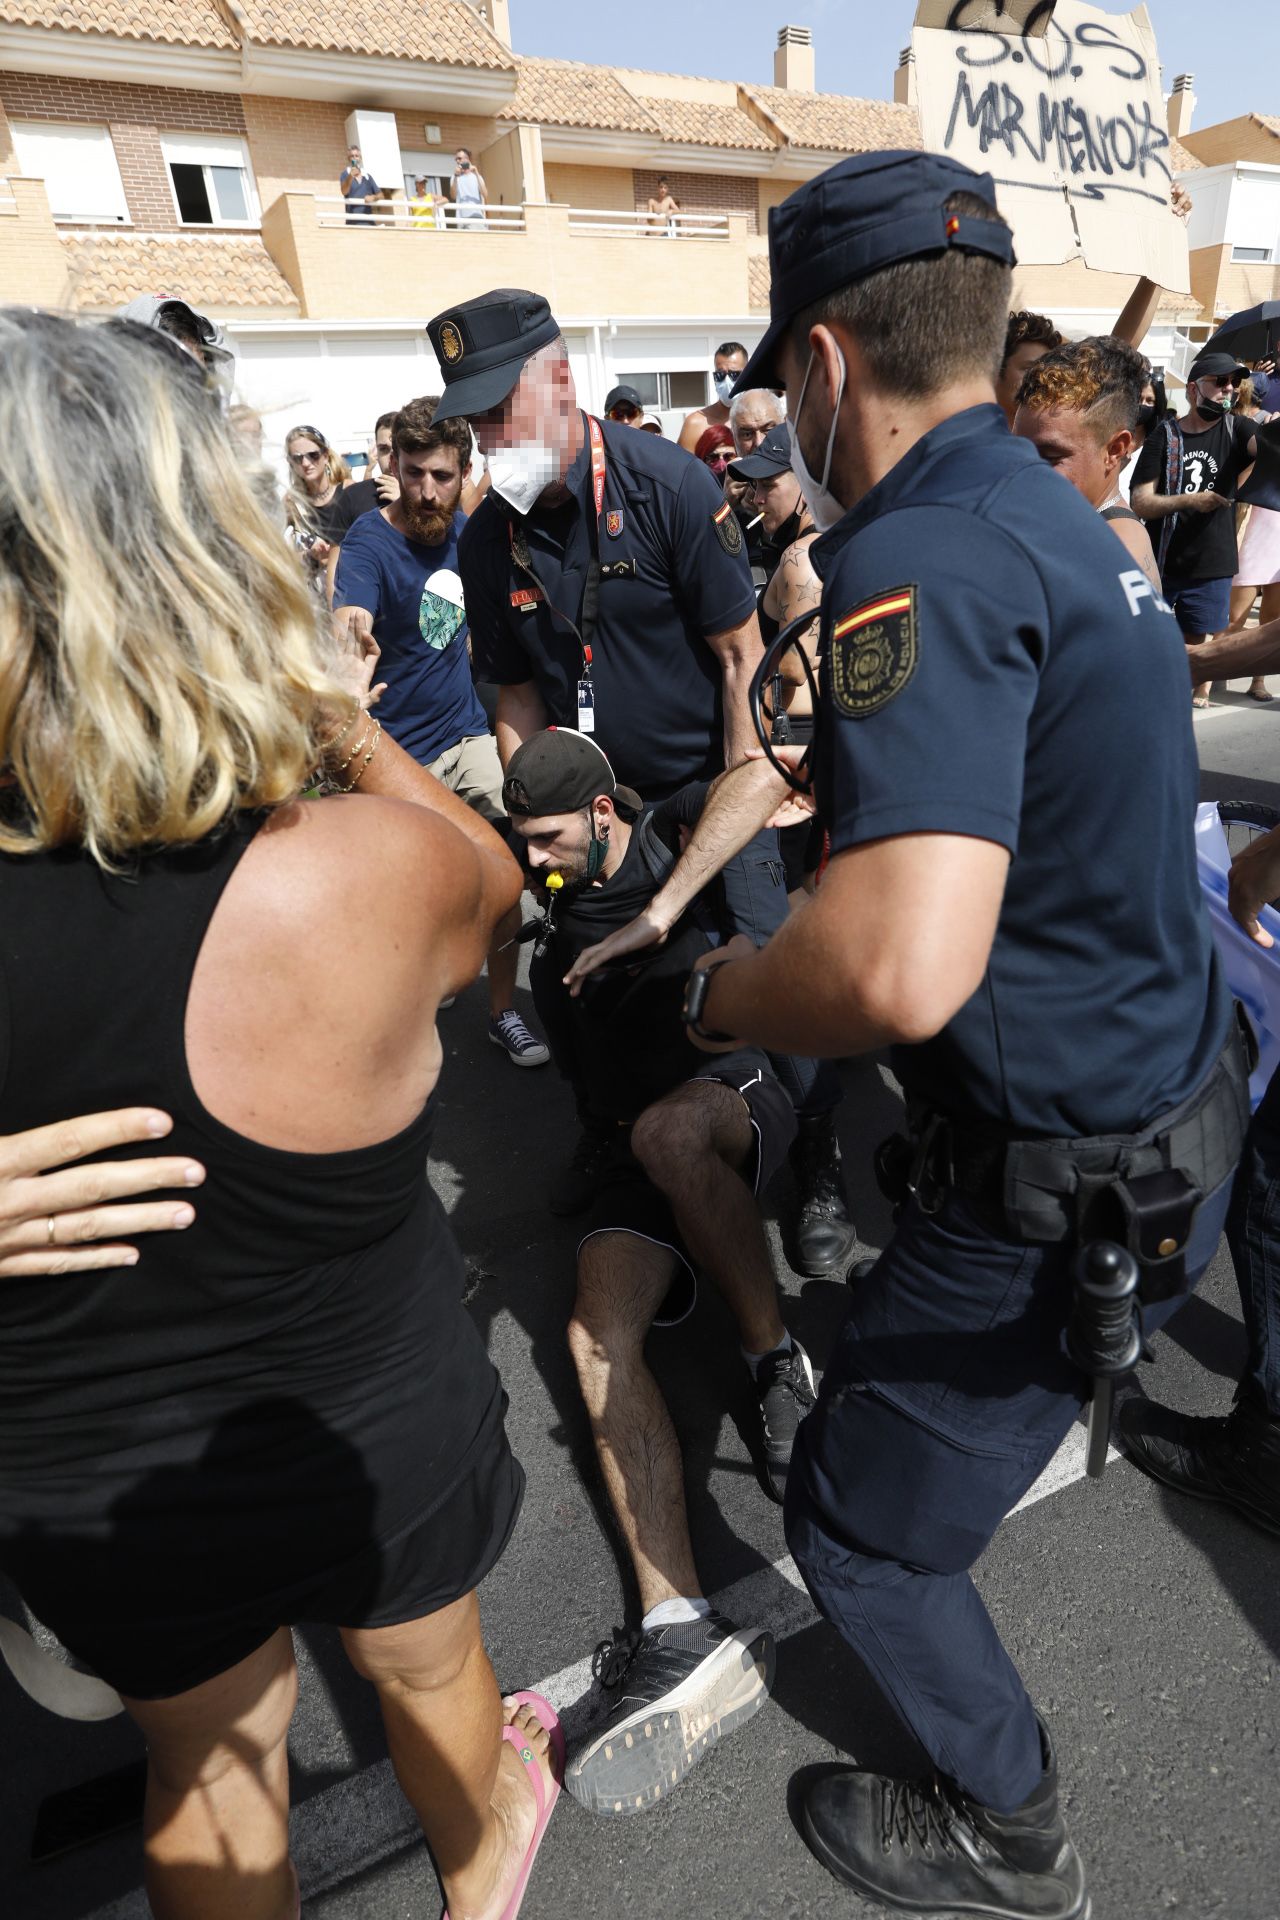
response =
{"points": [[739, 948], [66, 1222], [388, 488], [1180, 200], [648, 929], [1254, 882], [1207, 502]]}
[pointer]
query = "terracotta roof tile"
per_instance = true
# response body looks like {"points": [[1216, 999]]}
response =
{"points": [[834, 123], [759, 280], [565, 93], [1270, 121], [1181, 158], [187, 23], [217, 274], [703, 125], [444, 30]]}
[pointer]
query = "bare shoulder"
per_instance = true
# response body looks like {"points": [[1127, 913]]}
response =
{"points": [[695, 425], [1133, 536]]}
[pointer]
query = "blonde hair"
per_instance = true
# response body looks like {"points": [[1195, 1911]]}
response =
{"points": [[161, 658]]}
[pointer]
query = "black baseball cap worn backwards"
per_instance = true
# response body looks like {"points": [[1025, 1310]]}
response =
{"points": [[772, 456], [560, 771], [482, 346], [862, 214]]}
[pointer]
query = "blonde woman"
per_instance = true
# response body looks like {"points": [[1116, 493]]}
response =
{"points": [[282, 1413], [317, 476]]}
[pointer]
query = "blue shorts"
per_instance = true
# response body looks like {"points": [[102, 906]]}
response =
{"points": [[1200, 606]]}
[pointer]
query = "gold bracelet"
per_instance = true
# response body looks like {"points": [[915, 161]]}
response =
{"points": [[327, 746], [358, 776], [361, 743]]}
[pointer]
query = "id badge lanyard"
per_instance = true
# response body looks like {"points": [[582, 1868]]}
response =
{"points": [[585, 632]]}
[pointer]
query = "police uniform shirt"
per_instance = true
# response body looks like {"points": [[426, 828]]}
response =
{"points": [[994, 665], [672, 570]]}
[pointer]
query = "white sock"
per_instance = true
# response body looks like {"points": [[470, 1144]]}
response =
{"points": [[753, 1359], [668, 1613]]}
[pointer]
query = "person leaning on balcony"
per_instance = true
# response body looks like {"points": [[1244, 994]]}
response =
{"points": [[607, 589], [664, 209], [422, 207], [468, 191], [284, 1412], [358, 189]]}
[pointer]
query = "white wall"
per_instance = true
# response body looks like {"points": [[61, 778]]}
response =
{"points": [[1253, 218]]}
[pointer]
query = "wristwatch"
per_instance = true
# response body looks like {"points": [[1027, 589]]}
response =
{"points": [[695, 999]]}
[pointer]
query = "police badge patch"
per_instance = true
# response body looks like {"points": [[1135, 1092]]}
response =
{"points": [[728, 532], [873, 652], [450, 342], [613, 523]]}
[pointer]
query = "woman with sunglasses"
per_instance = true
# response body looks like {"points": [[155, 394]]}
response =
{"points": [[715, 449], [317, 476]]}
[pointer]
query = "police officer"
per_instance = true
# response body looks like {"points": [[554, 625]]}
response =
{"points": [[993, 909], [607, 589]]}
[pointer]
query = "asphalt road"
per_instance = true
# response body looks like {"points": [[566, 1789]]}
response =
{"points": [[1147, 1626]]}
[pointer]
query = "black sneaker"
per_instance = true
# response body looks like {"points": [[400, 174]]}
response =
{"points": [[922, 1847], [673, 1692], [824, 1236], [785, 1390], [1234, 1459], [572, 1191]]}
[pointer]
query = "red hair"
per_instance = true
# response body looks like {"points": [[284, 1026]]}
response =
{"points": [[708, 442]]}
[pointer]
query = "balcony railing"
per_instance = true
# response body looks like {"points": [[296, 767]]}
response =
{"points": [[333, 211], [657, 226]]}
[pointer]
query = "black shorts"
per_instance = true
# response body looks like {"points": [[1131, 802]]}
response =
{"points": [[180, 1644], [628, 1202]]}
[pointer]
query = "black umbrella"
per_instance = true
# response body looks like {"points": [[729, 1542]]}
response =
{"points": [[1251, 335]]}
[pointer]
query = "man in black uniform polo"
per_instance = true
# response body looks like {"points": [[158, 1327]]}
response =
{"points": [[1019, 916], [607, 590]]}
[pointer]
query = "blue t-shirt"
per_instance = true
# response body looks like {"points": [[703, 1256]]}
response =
{"points": [[672, 571], [996, 665], [414, 594]]}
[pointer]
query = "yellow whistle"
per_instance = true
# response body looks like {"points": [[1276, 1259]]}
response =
{"points": [[553, 882]]}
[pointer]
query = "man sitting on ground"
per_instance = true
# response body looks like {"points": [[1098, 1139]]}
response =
{"points": [[1079, 406], [398, 580], [696, 1136]]}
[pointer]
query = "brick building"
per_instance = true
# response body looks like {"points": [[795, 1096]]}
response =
{"points": [[194, 146]]}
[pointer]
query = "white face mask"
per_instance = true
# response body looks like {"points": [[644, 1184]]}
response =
{"points": [[521, 474], [724, 386], [823, 505]]}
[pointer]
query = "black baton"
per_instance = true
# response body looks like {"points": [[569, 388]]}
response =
{"points": [[1103, 1336]]}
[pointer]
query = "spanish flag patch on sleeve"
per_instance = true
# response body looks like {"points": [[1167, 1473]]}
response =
{"points": [[873, 649]]}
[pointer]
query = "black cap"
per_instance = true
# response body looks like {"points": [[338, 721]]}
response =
{"points": [[624, 396], [771, 456], [864, 213], [482, 346], [1219, 365], [558, 771]]}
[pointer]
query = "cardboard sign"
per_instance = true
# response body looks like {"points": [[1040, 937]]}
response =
{"points": [[1070, 123]]}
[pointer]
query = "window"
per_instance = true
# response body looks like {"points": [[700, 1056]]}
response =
{"points": [[1262, 254], [668, 390], [78, 167], [211, 181]]}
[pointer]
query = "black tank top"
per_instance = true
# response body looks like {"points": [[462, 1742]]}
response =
{"points": [[1117, 511], [331, 1279]]}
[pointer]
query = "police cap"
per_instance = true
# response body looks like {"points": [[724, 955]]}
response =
{"points": [[559, 771], [482, 346], [770, 457], [862, 214]]}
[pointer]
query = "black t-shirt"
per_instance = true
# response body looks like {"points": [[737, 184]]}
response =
{"points": [[1202, 545], [673, 570], [347, 506], [622, 1042]]}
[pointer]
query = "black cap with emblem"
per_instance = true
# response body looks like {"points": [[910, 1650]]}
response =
{"points": [[482, 346], [860, 215]]}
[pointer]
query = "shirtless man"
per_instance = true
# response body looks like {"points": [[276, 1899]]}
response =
{"points": [[1078, 406], [729, 361], [663, 205]]}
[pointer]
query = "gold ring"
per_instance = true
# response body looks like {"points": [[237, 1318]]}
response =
{"points": [[50, 1239]]}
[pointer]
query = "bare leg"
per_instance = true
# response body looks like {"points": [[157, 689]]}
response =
{"points": [[1268, 611], [1199, 694], [504, 958], [443, 1718], [691, 1144], [1242, 599], [216, 1825], [621, 1283]]}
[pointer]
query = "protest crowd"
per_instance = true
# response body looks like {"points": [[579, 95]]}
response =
{"points": [[768, 744]]}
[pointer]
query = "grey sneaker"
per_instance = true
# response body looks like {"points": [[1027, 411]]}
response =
{"points": [[523, 1049], [675, 1691], [785, 1390]]}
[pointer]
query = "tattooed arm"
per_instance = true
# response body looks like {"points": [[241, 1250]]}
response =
{"points": [[796, 589]]}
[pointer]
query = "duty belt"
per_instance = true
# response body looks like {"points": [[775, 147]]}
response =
{"points": [[1140, 1189]]}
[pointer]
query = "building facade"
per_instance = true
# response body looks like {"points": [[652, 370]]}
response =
{"points": [[193, 147]]}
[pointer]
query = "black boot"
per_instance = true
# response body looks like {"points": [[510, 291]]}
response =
{"points": [[1235, 1459], [924, 1847], [824, 1234]]}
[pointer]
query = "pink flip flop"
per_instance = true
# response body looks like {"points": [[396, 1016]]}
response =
{"points": [[547, 1717]]}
